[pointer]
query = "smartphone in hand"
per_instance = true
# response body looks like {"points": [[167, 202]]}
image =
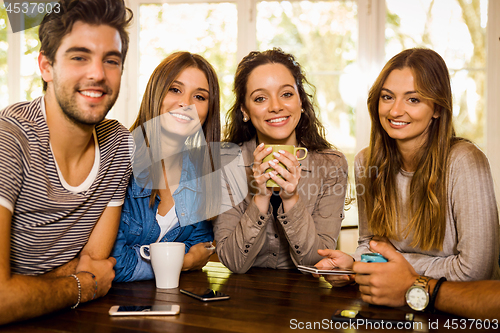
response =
{"points": [[144, 310], [205, 295]]}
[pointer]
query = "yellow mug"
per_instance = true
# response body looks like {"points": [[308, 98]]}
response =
{"points": [[276, 148]]}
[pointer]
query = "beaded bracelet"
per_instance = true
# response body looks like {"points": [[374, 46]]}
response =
{"points": [[79, 291], [95, 281]]}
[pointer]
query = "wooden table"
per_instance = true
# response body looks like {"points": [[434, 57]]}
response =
{"points": [[263, 300]]}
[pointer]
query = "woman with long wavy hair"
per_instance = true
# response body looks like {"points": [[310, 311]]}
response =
{"points": [[420, 187], [173, 192], [284, 227]]}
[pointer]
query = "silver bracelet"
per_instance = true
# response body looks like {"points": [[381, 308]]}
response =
{"points": [[79, 291]]}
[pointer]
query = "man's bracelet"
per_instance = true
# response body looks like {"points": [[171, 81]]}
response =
{"points": [[430, 307], [79, 291], [95, 282]]}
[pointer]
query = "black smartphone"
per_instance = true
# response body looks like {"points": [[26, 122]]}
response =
{"points": [[369, 316], [205, 295]]}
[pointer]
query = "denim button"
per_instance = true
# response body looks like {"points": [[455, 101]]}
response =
{"points": [[246, 251]]}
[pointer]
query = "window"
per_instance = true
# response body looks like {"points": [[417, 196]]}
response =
{"points": [[20, 76], [323, 36], [457, 31], [31, 83], [209, 29], [4, 46]]}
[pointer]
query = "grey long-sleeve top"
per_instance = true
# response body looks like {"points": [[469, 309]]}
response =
{"points": [[471, 243], [247, 238]]}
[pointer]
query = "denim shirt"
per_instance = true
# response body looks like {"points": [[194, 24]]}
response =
{"points": [[138, 226]]}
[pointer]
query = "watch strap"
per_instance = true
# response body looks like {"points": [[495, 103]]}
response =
{"points": [[422, 281]]}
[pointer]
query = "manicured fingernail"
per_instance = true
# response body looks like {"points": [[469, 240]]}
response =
{"points": [[276, 154], [269, 148], [272, 163], [261, 145], [281, 151], [276, 161]]}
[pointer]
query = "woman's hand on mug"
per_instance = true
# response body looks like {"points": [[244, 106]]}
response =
{"points": [[260, 177], [259, 171], [336, 258], [291, 174]]}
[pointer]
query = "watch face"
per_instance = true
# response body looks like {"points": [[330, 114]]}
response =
{"points": [[417, 298]]}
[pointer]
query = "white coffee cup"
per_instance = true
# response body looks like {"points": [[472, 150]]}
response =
{"points": [[167, 259]]}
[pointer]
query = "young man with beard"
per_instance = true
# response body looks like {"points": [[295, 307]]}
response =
{"points": [[64, 167]]}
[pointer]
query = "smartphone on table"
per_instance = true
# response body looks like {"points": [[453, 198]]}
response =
{"points": [[144, 310], [325, 270], [205, 295]]}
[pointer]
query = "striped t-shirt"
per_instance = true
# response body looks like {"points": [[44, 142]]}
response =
{"points": [[52, 221]]}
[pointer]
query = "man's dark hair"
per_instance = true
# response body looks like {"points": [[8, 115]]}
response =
{"points": [[55, 26]]}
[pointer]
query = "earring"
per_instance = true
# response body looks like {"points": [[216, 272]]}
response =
{"points": [[245, 119], [301, 110]]}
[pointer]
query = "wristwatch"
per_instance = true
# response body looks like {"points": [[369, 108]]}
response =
{"points": [[417, 296]]}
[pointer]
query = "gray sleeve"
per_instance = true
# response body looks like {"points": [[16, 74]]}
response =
{"points": [[473, 211], [240, 234]]}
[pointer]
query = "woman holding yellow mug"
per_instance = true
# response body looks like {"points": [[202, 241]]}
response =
{"points": [[296, 207]]}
